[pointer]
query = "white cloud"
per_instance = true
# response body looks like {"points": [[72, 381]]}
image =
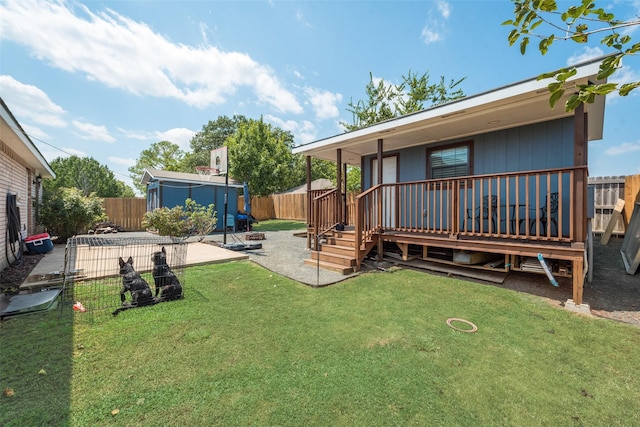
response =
{"points": [[435, 27], [51, 153], [444, 8], [179, 136], [303, 131], [29, 103], [300, 18], [624, 148], [92, 132], [122, 53], [122, 161], [131, 134], [585, 54], [35, 133], [324, 103]]}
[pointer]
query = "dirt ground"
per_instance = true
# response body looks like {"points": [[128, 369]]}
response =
{"points": [[613, 293]]}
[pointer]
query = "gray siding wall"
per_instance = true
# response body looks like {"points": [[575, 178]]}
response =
{"points": [[538, 146]]}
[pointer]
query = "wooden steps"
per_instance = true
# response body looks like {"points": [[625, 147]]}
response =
{"points": [[336, 253]]}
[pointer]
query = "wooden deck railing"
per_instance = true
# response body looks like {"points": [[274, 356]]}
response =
{"points": [[324, 212], [535, 206]]}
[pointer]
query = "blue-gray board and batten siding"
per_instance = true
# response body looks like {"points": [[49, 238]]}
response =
{"points": [[547, 145], [171, 194]]}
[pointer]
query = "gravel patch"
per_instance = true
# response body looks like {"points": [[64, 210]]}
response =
{"points": [[284, 253]]}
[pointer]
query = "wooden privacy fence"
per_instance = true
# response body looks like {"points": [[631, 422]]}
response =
{"points": [[606, 192], [126, 212], [291, 206]]}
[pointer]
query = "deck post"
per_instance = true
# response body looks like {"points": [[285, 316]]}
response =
{"points": [[580, 182], [380, 175], [339, 210], [309, 201], [578, 280], [345, 214]]}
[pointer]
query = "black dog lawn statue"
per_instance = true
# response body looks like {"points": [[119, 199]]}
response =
{"points": [[138, 287], [167, 284]]}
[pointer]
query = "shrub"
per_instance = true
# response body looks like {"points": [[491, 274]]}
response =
{"points": [[65, 212], [180, 221]]}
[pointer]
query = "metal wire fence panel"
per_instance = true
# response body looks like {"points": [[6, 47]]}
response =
{"points": [[93, 267]]}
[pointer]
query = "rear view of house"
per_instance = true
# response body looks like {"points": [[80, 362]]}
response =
{"points": [[491, 180], [22, 169]]}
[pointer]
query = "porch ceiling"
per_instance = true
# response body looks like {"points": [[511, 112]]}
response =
{"points": [[507, 107]]}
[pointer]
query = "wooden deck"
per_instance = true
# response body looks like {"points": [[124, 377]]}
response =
{"points": [[518, 215]]}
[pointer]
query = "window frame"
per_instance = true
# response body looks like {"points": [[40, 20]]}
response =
{"points": [[468, 144]]}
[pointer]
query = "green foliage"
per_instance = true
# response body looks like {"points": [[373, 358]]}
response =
{"points": [[191, 219], [260, 155], [163, 155], [87, 175], [385, 100], [279, 225], [327, 169], [354, 178], [213, 135], [65, 212], [577, 23]]}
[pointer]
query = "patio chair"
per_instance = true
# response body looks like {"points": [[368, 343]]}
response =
{"points": [[548, 213], [488, 210], [231, 222]]}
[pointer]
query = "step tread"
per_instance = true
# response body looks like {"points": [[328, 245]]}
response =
{"points": [[330, 266]]}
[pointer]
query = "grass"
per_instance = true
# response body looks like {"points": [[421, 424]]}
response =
{"points": [[249, 347], [279, 225]]}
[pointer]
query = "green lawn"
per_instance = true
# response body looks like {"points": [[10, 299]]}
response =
{"points": [[278, 225], [249, 347]]}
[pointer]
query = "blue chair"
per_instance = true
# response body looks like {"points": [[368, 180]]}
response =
{"points": [[230, 223]]}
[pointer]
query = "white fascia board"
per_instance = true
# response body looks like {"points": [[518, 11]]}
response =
{"points": [[10, 120], [450, 108]]}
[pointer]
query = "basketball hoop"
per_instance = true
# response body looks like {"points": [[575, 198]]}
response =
{"points": [[206, 171]]}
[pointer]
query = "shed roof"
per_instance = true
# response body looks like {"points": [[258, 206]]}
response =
{"points": [[518, 104], [184, 177], [316, 184]]}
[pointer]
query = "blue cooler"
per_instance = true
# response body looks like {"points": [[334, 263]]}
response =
{"points": [[40, 243]]}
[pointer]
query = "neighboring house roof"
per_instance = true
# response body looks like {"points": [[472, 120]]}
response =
{"points": [[151, 174], [318, 184], [12, 134], [507, 107]]}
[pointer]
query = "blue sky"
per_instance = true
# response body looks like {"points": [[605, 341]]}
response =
{"points": [[107, 79]]}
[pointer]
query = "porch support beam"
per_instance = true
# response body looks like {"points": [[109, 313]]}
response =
{"points": [[380, 242], [580, 183], [339, 209], [580, 158], [309, 202], [345, 216]]}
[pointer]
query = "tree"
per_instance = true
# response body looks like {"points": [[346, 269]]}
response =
{"points": [[87, 175], [261, 155], [66, 212], [213, 135], [162, 155], [386, 100], [189, 220], [577, 23]]}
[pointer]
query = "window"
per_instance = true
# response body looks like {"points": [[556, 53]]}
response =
{"points": [[449, 161]]}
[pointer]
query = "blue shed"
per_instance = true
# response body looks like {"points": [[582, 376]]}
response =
{"points": [[170, 189]]}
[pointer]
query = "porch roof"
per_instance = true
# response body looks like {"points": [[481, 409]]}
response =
{"points": [[518, 104]]}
